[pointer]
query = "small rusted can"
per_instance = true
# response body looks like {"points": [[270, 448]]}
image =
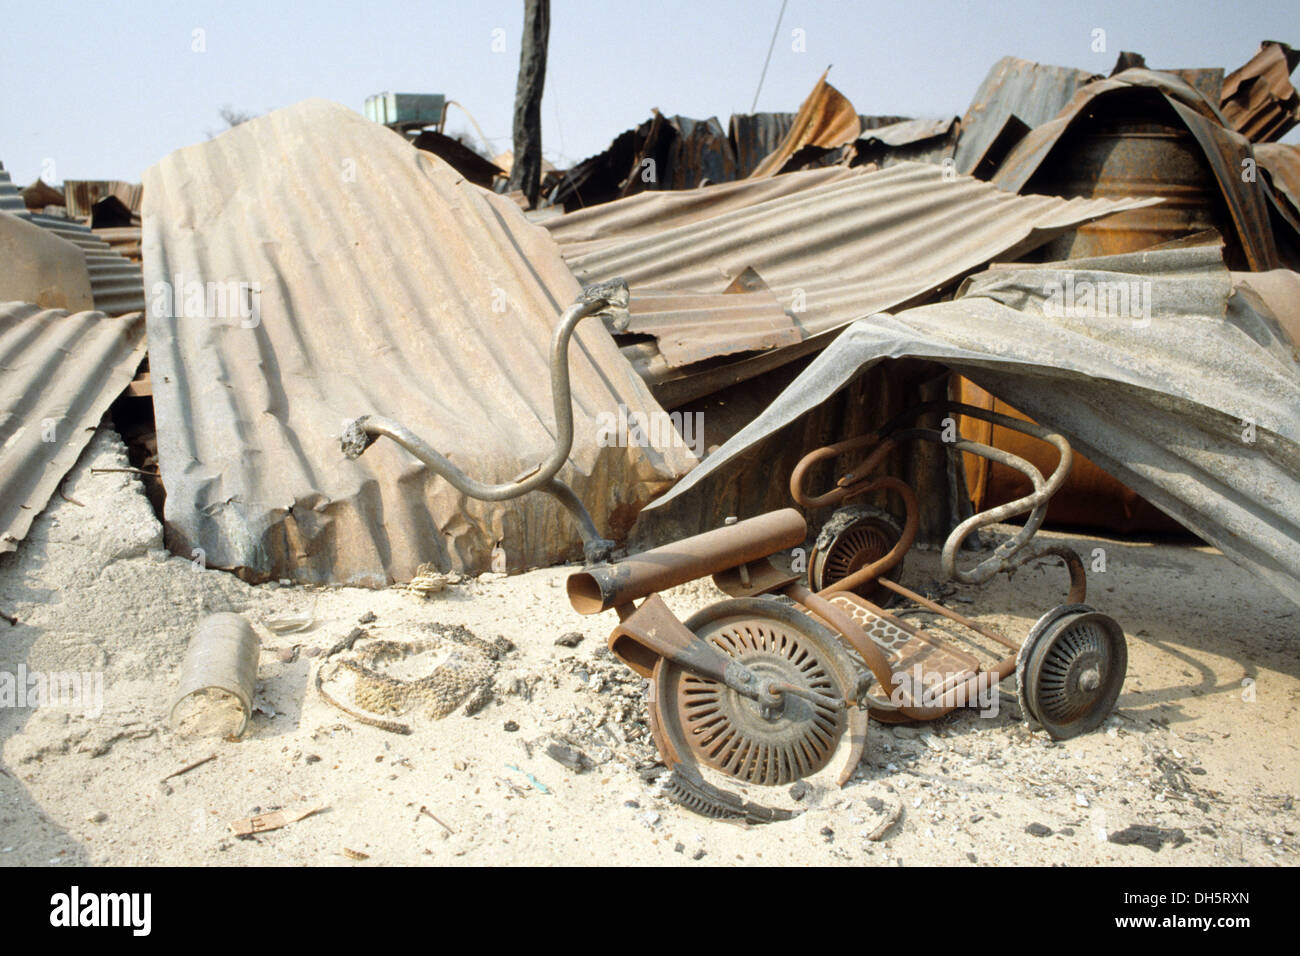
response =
{"points": [[222, 656]]}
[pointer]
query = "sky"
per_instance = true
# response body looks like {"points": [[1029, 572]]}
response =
{"points": [[103, 90]]}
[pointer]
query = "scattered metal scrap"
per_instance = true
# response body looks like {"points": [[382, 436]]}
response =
{"points": [[765, 691], [1145, 132], [116, 284]]}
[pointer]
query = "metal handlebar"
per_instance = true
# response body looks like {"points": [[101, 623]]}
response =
{"points": [[360, 434]]}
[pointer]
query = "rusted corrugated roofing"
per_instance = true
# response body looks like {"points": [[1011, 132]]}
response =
{"points": [[754, 135], [826, 119], [59, 372], [1282, 161], [909, 131], [1258, 98], [648, 214], [1031, 92], [81, 195], [918, 141], [388, 285], [835, 252], [694, 327]]}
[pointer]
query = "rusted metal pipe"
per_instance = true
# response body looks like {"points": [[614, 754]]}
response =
{"points": [[602, 587], [865, 575]]}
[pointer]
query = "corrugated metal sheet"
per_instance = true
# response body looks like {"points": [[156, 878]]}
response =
{"points": [[1223, 150], [1258, 98], [379, 268], [1197, 409], [11, 200], [80, 195], [696, 327], [754, 135], [648, 214], [116, 283], [909, 131], [826, 120], [124, 240], [59, 372], [1030, 91], [849, 247], [477, 169], [914, 141], [41, 268], [1282, 161]]}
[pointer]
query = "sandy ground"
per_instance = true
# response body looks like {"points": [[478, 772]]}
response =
{"points": [[1203, 744]]}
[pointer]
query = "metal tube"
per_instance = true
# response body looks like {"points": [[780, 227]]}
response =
{"points": [[221, 655], [608, 586], [360, 434]]}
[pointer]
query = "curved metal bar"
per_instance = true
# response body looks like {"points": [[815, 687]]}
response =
{"points": [[360, 434], [1073, 563], [887, 561]]}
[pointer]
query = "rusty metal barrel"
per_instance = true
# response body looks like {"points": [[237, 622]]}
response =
{"points": [[1137, 146], [603, 587]]}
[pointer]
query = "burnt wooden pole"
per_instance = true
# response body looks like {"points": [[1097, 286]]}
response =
{"points": [[526, 170]]}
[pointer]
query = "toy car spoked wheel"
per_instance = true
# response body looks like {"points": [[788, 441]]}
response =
{"points": [[700, 723], [853, 538], [1070, 670]]}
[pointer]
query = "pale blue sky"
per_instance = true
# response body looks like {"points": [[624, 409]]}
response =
{"points": [[106, 89]]}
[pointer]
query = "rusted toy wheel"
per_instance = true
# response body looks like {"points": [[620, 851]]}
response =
{"points": [[700, 722], [1070, 670], [853, 538]]}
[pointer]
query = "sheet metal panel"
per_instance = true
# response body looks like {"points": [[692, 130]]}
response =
{"points": [[1034, 92], [826, 119], [1258, 99], [1282, 161], [693, 327], [388, 285], [834, 252], [59, 372]]}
